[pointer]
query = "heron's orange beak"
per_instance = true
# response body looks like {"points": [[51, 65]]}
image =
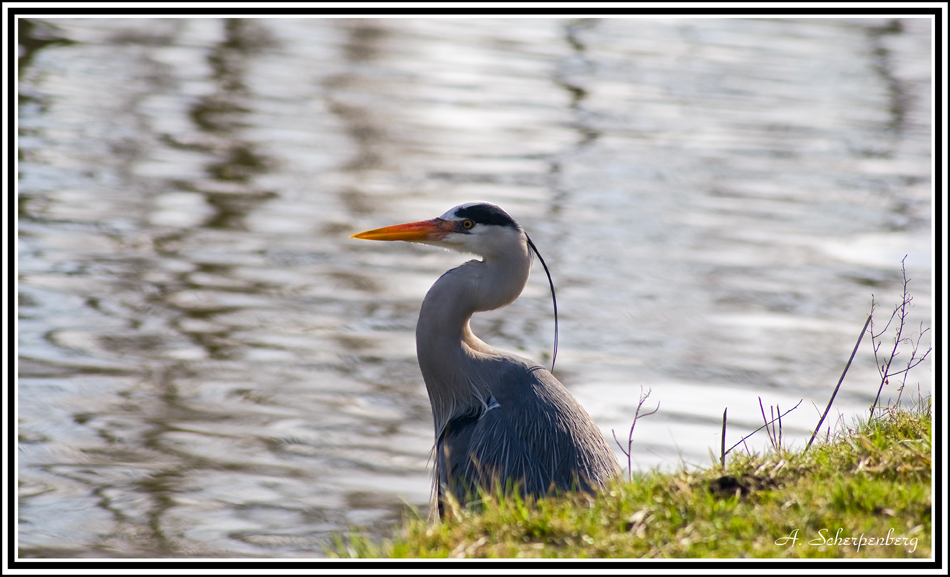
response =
{"points": [[435, 229]]}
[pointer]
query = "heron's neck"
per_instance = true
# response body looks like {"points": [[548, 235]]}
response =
{"points": [[451, 357]]}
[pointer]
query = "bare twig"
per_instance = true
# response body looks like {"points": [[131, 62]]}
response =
{"points": [[636, 416], [778, 410], [884, 368], [910, 363], [768, 430], [743, 439], [722, 446], [902, 308], [773, 428], [838, 386]]}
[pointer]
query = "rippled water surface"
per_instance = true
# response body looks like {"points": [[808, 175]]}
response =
{"points": [[210, 366]]}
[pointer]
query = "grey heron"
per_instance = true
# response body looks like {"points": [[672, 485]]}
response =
{"points": [[499, 417]]}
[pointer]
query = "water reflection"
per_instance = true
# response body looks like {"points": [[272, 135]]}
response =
{"points": [[209, 368]]}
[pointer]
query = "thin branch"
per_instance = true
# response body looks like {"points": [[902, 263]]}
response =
{"points": [[636, 416], [743, 439], [627, 453], [909, 367], [838, 386], [889, 321], [885, 369], [768, 431], [910, 363], [778, 410], [722, 446]]}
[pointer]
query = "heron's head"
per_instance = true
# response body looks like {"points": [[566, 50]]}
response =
{"points": [[480, 228]]}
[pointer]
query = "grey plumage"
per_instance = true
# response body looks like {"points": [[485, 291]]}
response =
{"points": [[498, 417]]}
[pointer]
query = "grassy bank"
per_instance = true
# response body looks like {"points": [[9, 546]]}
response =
{"points": [[864, 493]]}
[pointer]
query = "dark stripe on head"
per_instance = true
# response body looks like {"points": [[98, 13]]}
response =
{"points": [[487, 214]]}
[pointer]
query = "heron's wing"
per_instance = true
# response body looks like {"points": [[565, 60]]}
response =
{"points": [[500, 453], [453, 457], [566, 448], [529, 431], [480, 448]]}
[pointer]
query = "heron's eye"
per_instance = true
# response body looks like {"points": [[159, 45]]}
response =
{"points": [[467, 224]]}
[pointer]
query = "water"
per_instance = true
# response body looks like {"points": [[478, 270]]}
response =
{"points": [[210, 366]]}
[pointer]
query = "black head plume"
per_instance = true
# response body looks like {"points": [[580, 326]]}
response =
{"points": [[553, 297]]}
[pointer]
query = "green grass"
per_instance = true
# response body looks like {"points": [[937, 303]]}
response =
{"points": [[873, 481]]}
